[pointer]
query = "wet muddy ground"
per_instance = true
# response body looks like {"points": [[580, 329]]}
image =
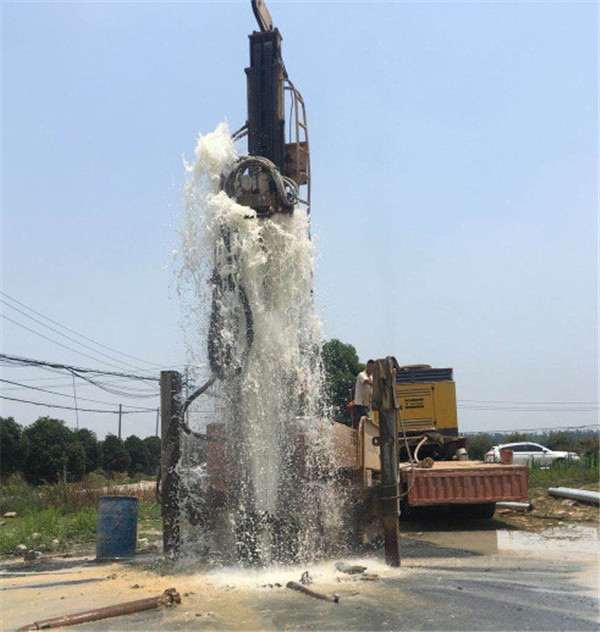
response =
{"points": [[450, 579]]}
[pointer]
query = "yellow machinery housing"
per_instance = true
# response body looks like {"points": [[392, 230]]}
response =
{"points": [[427, 398]]}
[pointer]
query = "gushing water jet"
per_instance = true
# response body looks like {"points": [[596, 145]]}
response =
{"points": [[268, 492]]}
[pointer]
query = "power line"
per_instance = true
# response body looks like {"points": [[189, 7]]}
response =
{"points": [[101, 353], [530, 410], [72, 330], [20, 361], [60, 344], [85, 374], [115, 391], [61, 384], [83, 399], [472, 432], [500, 401], [107, 387], [86, 410]]}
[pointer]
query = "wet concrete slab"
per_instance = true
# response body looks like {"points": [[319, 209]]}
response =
{"points": [[457, 580]]}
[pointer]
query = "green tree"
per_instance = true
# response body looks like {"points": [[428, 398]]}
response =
{"points": [[138, 455], [11, 446], [478, 445], [115, 457], [92, 448], [52, 452], [153, 446], [341, 365], [517, 437], [562, 440]]}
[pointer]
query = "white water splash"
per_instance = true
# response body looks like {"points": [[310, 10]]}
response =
{"points": [[255, 275]]}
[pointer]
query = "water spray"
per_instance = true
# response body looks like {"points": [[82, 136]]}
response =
{"points": [[268, 493]]}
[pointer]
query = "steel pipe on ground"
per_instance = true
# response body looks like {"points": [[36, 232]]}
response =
{"points": [[582, 495], [514, 506], [169, 597]]}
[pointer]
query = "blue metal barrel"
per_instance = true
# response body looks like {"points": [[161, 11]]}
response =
{"points": [[116, 535]]}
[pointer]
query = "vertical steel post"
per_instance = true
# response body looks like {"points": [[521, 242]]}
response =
{"points": [[385, 402], [170, 451], [266, 115], [120, 415]]}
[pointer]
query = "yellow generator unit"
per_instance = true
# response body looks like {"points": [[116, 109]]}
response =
{"points": [[427, 398], [427, 415]]}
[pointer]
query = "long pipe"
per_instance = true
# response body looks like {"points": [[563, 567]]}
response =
{"points": [[502, 504], [168, 598], [583, 495], [311, 593]]}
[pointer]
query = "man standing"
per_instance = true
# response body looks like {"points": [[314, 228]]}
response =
{"points": [[362, 392]]}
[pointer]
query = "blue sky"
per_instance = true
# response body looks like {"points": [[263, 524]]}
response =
{"points": [[455, 186]]}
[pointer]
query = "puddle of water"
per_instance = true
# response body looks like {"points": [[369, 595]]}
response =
{"points": [[570, 543], [572, 540]]}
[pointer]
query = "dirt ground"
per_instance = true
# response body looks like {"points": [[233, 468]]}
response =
{"points": [[536, 570], [476, 579]]}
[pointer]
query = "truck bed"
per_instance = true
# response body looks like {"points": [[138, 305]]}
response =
{"points": [[464, 482]]}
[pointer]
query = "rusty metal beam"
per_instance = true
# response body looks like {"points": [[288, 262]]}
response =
{"points": [[169, 597], [311, 593], [170, 452], [262, 15], [385, 402]]}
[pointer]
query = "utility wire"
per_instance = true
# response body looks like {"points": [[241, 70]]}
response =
{"points": [[63, 384], [82, 374], [109, 387], [112, 390], [56, 331], [86, 410], [79, 398], [75, 332], [553, 428], [500, 401], [530, 410], [37, 333], [20, 361]]}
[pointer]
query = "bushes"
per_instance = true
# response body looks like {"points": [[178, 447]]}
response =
{"points": [[566, 473], [478, 445]]}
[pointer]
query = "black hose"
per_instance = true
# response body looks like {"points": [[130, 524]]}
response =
{"points": [[286, 188], [219, 353], [196, 394]]}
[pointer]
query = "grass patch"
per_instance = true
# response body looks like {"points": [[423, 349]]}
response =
{"points": [[38, 529], [61, 517], [584, 473]]}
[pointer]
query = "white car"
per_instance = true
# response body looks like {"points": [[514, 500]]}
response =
{"points": [[526, 453]]}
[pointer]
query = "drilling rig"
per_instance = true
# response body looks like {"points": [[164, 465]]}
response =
{"points": [[269, 179], [273, 178], [273, 183]]}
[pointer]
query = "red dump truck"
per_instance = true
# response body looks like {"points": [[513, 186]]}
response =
{"points": [[434, 469]]}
